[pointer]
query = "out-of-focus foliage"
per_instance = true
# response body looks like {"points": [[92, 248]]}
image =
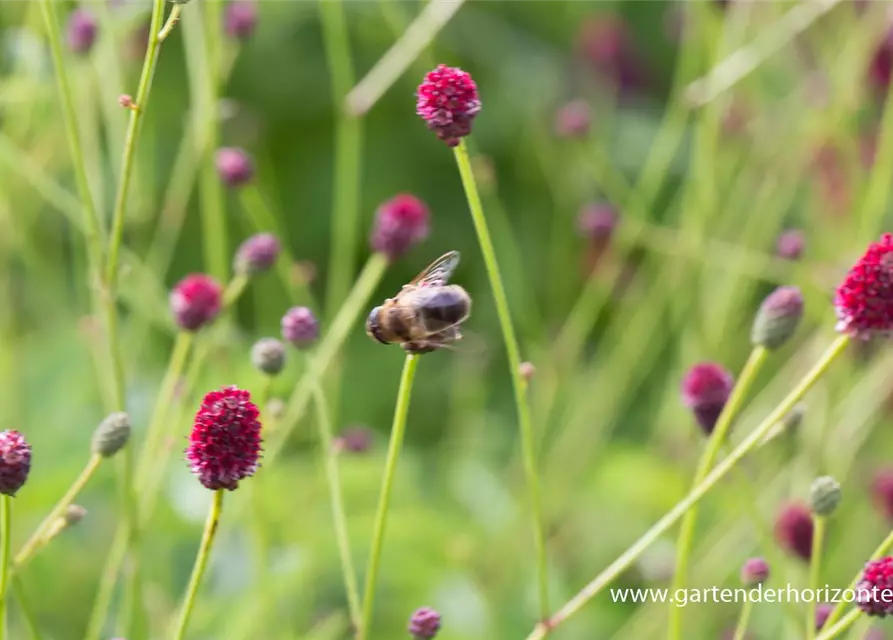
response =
{"points": [[702, 193]]}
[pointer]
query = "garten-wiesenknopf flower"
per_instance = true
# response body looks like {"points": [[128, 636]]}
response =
{"points": [[447, 100], [705, 390], [874, 593], [257, 254], [300, 327], [15, 461], [234, 166], [400, 224], [864, 301], [424, 624], [793, 530], [195, 301]]}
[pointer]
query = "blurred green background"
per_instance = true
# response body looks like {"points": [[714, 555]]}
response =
{"points": [[702, 187]]}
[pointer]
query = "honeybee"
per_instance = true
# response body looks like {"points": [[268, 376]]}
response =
{"points": [[426, 314]]}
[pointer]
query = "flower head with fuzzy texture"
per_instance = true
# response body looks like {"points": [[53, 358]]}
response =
{"points": [[240, 19], [864, 301], [789, 245], [224, 446], [874, 593], [15, 462], [82, 31], [447, 100], [705, 390], [424, 624], [195, 301], [400, 224], [793, 530], [300, 327], [234, 166], [257, 254]]}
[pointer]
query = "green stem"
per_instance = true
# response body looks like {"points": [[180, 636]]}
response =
{"points": [[171, 22], [103, 601], [24, 607], [677, 512], [845, 623], [743, 620], [882, 549], [336, 497], [201, 562], [37, 538], [514, 362], [717, 438], [398, 429], [5, 547], [815, 568], [348, 152]]}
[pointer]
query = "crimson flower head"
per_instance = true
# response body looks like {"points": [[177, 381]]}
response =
{"points": [[424, 624], [195, 301], [224, 446], [793, 530], [882, 492], [447, 100], [705, 389], [864, 301], [234, 166], [257, 254], [240, 18], [400, 224], [754, 571], [15, 462], [874, 593]]}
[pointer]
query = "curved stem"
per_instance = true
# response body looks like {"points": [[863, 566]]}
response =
{"points": [[201, 562], [172, 19], [398, 429], [743, 620], [336, 497], [717, 438], [37, 538], [677, 512], [514, 362], [5, 548], [815, 567]]}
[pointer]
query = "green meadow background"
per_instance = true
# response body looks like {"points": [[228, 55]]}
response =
{"points": [[705, 169]]}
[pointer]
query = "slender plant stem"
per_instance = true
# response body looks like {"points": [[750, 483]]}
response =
{"points": [[677, 512], [201, 562], [336, 497], [103, 601], [35, 541], [348, 152], [717, 439], [815, 569], [5, 553], [743, 620], [514, 361], [170, 23], [25, 607], [882, 549], [398, 430], [845, 623]]}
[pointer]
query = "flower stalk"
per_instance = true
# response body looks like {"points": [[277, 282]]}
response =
{"points": [[5, 552], [815, 568]]}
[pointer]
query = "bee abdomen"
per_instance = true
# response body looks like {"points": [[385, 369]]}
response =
{"points": [[444, 308]]}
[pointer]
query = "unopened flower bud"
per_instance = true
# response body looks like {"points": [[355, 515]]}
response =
{"points": [[424, 624], [597, 222], [356, 439], [82, 30], [572, 120], [778, 318], [754, 571], [268, 355], [790, 244], [15, 462], [74, 514], [195, 301], [527, 371], [240, 19], [794, 530], [300, 327], [705, 389], [824, 495], [400, 224], [234, 166], [126, 101], [111, 435], [257, 254]]}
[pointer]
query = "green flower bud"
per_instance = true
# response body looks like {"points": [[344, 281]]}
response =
{"points": [[824, 495], [111, 435], [778, 318]]}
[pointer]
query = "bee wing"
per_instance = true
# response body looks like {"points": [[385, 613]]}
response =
{"points": [[438, 273]]}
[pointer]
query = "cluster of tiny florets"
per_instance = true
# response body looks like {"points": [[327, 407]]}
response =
{"points": [[225, 443], [864, 301], [424, 624], [874, 593], [794, 530], [447, 100], [15, 461], [195, 301], [300, 327], [705, 389], [257, 254], [400, 224]]}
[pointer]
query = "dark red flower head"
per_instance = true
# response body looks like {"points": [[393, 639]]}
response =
{"points": [[793, 530], [705, 389], [257, 254], [234, 166], [874, 593], [822, 611], [447, 100], [754, 571], [881, 68], [790, 244], [864, 301], [82, 31], [597, 221], [195, 301], [400, 224], [606, 43], [240, 19], [424, 624], [15, 461], [882, 492], [224, 446]]}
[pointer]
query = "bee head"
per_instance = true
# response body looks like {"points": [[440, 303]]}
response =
{"points": [[373, 325]]}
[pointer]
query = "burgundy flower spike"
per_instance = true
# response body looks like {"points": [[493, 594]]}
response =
{"points": [[195, 301], [864, 301], [447, 100], [224, 446], [15, 462], [793, 530], [705, 389], [874, 593]]}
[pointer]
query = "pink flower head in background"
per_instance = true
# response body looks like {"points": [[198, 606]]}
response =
{"points": [[400, 223], [605, 42], [864, 301], [195, 301], [424, 624], [790, 244], [257, 254], [300, 327], [447, 100], [882, 492], [240, 19], [82, 31], [793, 530], [224, 446], [822, 611], [15, 462], [234, 166], [705, 389], [572, 120], [874, 593]]}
